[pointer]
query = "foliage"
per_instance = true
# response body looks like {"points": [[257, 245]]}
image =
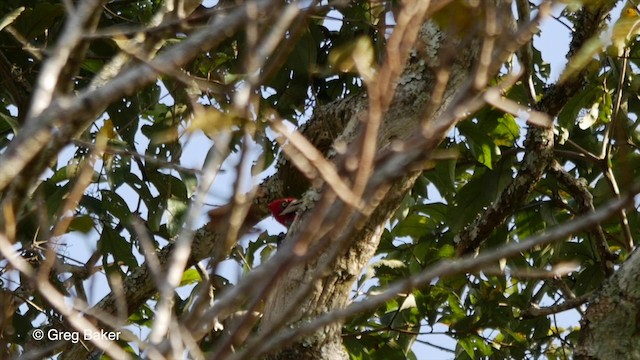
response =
{"points": [[127, 168]]}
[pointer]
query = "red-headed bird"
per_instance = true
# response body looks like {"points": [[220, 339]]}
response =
{"points": [[284, 210]]}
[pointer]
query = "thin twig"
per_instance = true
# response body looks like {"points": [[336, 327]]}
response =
{"points": [[147, 159], [58, 302], [78, 23], [446, 268], [308, 154], [381, 91], [569, 304]]}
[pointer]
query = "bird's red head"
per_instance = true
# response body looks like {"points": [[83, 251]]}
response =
{"points": [[283, 210]]}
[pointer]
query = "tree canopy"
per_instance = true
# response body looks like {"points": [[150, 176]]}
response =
{"points": [[449, 186]]}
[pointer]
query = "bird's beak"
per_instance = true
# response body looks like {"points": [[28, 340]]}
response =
{"points": [[292, 207]]}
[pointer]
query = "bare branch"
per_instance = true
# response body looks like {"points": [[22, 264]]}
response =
{"points": [[306, 153], [558, 308], [57, 301], [465, 264], [46, 128], [57, 71]]}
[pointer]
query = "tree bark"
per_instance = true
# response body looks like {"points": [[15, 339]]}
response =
{"points": [[611, 323], [343, 260]]}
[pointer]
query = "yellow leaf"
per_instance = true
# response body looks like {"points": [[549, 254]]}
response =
{"points": [[212, 121], [167, 135], [358, 55], [459, 16], [106, 133], [625, 28]]}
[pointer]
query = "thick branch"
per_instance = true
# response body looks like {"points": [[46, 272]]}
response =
{"points": [[539, 144], [609, 329]]}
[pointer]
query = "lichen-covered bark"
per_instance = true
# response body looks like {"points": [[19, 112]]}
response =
{"points": [[403, 120], [332, 291], [611, 325]]}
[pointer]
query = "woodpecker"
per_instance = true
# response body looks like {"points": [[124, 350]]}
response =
{"points": [[284, 210]]}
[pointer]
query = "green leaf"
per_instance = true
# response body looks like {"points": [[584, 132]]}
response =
{"points": [[33, 22], [584, 99], [143, 316], [83, 223], [157, 208], [115, 204], [8, 122], [413, 225], [190, 181], [111, 242], [118, 170], [468, 345], [176, 210], [169, 185], [588, 279], [481, 145], [190, 276], [125, 117], [472, 198], [504, 131], [92, 65], [267, 252], [443, 177], [304, 54]]}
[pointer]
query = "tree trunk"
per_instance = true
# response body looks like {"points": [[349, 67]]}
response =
{"points": [[328, 279], [611, 323]]}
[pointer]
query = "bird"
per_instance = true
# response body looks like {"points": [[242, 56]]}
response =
{"points": [[284, 210]]}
